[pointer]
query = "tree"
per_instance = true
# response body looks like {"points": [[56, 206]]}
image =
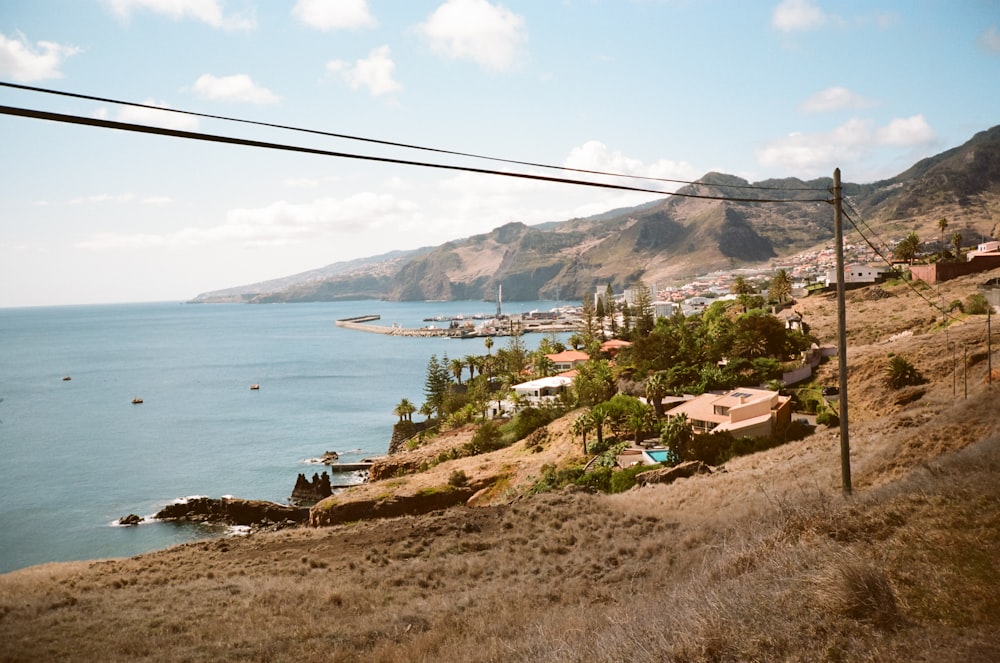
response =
{"points": [[456, 366], [677, 436], [436, 384], [488, 342], [582, 425], [609, 295], [942, 225], [956, 241], [781, 287], [656, 388], [909, 248], [642, 305], [404, 410], [743, 290]]}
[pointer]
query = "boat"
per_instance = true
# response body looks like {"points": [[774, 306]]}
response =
{"points": [[136, 401], [254, 387]]}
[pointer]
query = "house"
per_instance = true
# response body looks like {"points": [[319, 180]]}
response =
{"points": [[542, 389], [856, 275], [984, 249], [744, 412], [567, 359], [613, 345]]}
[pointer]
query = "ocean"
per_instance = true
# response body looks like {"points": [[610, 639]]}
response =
{"points": [[77, 454]]}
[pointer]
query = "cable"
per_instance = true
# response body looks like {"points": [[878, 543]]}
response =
{"points": [[909, 284], [191, 135], [391, 143]]}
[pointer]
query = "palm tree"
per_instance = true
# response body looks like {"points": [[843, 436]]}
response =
{"points": [[956, 241], [781, 286], [404, 410], [656, 388], [942, 224], [471, 361], [488, 341], [582, 425], [456, 366], [909, 248]]}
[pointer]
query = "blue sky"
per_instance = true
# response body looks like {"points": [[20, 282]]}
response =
{"points": [[668, 88]]}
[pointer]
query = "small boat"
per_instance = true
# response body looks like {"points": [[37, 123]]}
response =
{"points": [[136, 401], [254, 387], [67, 379]]}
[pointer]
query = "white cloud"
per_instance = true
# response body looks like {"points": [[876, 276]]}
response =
{"points": [[103, 198], [334, 14], [794, 15], [595, 155], [815, 154], [489, 35], [834, 99], [373, 73], [279, 224], [210, 12], [990, 40], [905, 132], [156, 118], [24, 62], [238, 87]]}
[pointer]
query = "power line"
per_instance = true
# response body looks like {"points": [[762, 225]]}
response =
{"points": [[191, 135], [88, 97], [909, 284]]}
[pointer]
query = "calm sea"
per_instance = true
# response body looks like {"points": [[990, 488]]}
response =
{"points": [[76, 455]]}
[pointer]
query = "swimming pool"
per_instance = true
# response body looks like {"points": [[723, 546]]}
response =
{"points": [[659, 455]]}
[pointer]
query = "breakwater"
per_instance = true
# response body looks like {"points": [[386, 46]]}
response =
{"points": [[507, 327], [360, 323]]}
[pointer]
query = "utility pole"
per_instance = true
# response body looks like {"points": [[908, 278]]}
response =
{"points": [[838, 231]]}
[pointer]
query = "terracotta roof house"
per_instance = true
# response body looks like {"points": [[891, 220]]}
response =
{"points": [[744, 412], [567, 359], [613, 345]]}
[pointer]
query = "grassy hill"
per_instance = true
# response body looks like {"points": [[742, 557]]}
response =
{"points": [[766, 560]]}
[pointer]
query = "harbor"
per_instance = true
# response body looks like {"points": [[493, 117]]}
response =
{"points": [[461, 327]]}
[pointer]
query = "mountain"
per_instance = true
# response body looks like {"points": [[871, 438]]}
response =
{"points": [[670, 240]]}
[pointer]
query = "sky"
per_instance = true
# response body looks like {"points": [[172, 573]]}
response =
{"points": [[654, 88]]}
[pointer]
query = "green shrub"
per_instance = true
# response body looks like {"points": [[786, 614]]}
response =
{"points": [[458, 479], [625, 479], [901, 373], [600, 478], [828, 418], [976, 304]]}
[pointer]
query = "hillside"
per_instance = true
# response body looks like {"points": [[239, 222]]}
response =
{"points": [[766, 560], [667, 241]]}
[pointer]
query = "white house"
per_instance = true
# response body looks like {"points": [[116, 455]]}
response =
{"points": [[855, 274]]}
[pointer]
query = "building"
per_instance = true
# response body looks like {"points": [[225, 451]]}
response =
{"points": [[744, 412], [568, 359], [856, 275]]}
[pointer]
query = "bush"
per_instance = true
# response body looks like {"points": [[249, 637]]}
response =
{"points": [[828, 418], [487, 438], [600, 478], [901, 373], [976, 304], [458, 479]]}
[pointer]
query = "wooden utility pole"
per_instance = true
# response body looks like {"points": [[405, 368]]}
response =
{"points": [[838, 231]]}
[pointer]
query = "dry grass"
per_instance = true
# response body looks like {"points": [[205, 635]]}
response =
{"points": [[765, 561]]}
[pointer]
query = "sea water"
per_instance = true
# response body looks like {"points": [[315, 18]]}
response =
{"points": [[77, 454]]}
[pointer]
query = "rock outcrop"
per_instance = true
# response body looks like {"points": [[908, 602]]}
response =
{"points": [[232, 511], [335, 510], [671, 474], [310, 492]]}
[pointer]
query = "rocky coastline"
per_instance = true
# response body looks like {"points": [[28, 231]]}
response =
{"points": [[234, 511]]}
